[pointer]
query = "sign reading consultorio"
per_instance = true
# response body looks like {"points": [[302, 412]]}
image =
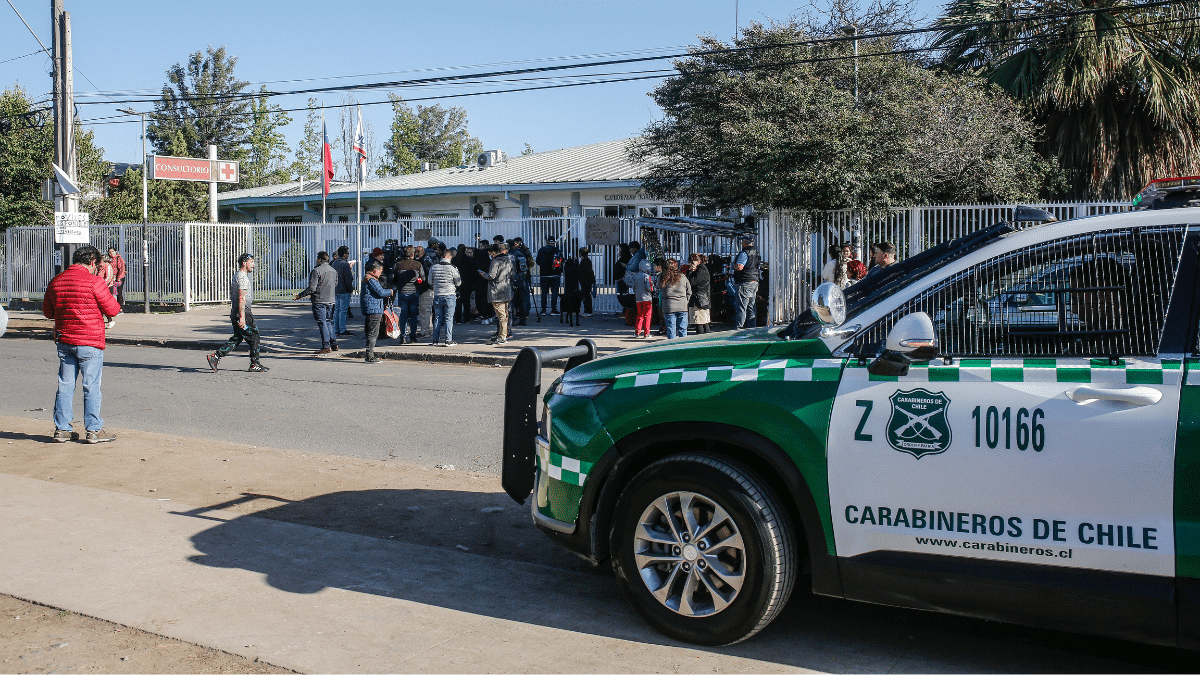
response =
{"points": [[200, 170]]}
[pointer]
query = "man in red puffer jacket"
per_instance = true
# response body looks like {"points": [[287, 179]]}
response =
{"points": [[82, 307]]}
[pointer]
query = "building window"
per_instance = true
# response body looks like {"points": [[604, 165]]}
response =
{"points": [[647, 212], [287, 219], [671, 211], [546, 212], [590, 212], [343, 219]]}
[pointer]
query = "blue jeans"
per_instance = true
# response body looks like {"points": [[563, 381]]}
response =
{"points": [[407, 308], [521, 301], [323, 313], [743, 308], [443, 317], [75, 361], [550, 286], [676, 324], [340, 305]]}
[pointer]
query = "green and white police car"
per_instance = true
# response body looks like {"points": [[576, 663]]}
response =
{"points": [[1041, 473]]}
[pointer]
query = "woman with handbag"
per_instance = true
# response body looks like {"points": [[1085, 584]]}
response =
{"points": [[701, 302]]}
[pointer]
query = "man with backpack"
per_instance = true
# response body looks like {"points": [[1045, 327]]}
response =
{"points": [[550, 264]]}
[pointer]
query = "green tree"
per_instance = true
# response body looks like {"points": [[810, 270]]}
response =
{"points": [[203, 104], [1117, 91], [308, 152], [431, 134], [169, 202], [293, 263], [778, 125], [399, 150], [26, 152], [267, 149]]}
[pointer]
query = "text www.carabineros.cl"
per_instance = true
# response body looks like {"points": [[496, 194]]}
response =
{"points": [[995, 546]]}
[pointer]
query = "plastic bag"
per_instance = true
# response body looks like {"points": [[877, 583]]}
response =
{"points": [[391, 324]]}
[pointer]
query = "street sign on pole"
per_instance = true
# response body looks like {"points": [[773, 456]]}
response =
{"points": [[199, 170], [71, 227]]}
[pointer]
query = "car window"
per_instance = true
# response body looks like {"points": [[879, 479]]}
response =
{"points": [[1099, 294]]}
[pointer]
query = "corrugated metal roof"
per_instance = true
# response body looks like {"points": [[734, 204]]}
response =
{"points": [[598, 162]]}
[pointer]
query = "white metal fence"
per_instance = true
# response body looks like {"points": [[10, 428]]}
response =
{"points": [[799, 241], [191, 263]]}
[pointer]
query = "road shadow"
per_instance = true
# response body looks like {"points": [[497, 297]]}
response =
{"points": [[457, 551]]}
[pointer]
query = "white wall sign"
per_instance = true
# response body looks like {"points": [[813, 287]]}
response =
{"points": [[71, 228], [601, 231]]}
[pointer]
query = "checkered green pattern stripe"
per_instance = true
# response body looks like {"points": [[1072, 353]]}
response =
{"points": [[566, 469], [1125, 371], [1193, 373], [779, 370]]}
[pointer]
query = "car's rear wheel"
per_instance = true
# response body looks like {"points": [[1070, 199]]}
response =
{"points": [[702, 549]]}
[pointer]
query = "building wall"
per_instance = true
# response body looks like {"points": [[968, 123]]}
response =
{"points": [[614, 201]]}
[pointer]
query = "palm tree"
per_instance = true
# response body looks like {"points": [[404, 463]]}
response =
{"points": [[1114, 83]]}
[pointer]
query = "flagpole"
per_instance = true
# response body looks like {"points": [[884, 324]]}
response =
{"points": [[324, 169]]}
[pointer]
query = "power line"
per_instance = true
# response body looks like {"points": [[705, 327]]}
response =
{"points": [[35, 36], [694, 53], [39, 51]]}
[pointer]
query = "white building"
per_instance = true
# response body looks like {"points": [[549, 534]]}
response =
{"points": [[588, 180]]}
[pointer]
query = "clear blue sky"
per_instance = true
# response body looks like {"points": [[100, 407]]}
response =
{"points": [[129, 44]]}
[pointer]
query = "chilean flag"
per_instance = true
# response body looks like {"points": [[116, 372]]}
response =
{"points": [[360, 143], [326, 158]]}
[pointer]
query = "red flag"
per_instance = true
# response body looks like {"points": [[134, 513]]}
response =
{"points": [[326, 158]]}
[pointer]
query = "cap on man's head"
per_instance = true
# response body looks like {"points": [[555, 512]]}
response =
{"points": [[549, 239], [376, 251], [746, 237]]}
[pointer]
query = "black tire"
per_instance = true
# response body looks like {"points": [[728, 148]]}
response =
{"points": [[766, 560]]}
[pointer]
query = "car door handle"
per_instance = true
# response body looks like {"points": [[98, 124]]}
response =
{"points": [[1133, 395]]}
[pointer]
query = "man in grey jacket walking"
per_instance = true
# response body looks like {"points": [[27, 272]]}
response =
{"points": [[322, 286], [500, 293]]}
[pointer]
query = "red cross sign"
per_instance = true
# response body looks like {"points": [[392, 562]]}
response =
{"points": [[227, 172]]}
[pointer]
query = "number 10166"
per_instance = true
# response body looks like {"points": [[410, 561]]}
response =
{"points": [[1024, 429]]}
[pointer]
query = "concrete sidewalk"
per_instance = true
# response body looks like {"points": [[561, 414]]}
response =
{"points": [[288, 328], [250, 577]]}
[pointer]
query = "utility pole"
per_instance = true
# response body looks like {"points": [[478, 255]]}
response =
{"points": [[64, 113]]}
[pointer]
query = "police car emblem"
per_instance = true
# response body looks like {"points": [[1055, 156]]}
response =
{"points": [[918, 424]]}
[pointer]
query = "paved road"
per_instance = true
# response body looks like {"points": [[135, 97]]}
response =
{"points": [[414, 413], [426, 415]]}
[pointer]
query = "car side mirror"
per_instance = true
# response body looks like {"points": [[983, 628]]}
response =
{"points": [[911, 340]]}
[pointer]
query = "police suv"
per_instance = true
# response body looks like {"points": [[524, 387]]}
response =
{"points": [[1043, 472]]}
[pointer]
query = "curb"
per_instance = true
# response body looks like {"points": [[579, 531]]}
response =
{"points": [[208, 346]]}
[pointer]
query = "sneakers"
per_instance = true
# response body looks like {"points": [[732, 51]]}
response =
{"points": [[257, 368], [555, 313], [323, 350], [102, 436], [373, 359], [449, 344], [501, 341], [333, 347], [61, 436], [213, 359], [587, 314]]}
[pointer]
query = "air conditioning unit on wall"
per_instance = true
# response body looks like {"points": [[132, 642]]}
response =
{"points": [[389, 213], [484, 210]]}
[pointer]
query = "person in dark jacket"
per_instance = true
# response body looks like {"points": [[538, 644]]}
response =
{"points": [[550, 261], [499, 282], [409, 273], [371, 298], [483, 263], [701, 302], [465, 262], [746, 267], [81, 307], [345, 289], [587, 279], [322, 287]]}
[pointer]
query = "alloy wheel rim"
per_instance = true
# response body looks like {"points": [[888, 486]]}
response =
{"points": [[690, 554]]}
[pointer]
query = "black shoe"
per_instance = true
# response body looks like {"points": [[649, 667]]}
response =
{"points": [[521, 322], [346, 332], [374, 359], [257, 368]]}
